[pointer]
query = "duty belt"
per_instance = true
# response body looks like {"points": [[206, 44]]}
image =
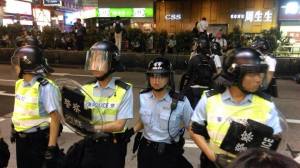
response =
{"points": [[108, 137], [37, 131]]}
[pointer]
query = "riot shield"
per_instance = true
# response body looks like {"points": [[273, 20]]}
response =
{"points": [[74, 114], [245, 133]]}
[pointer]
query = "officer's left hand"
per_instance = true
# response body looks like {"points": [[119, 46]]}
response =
{"points": [[4, 153], [128, 134], [51, 156]]}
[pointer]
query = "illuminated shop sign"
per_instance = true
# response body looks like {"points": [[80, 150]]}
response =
{"points": [[18, 7], [126, 12], [290, 11], [52, 3], [254, 16], [237, 16], [258, 16], [173, 17]]}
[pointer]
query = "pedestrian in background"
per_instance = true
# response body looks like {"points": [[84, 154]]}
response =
{"points": [[80, 32], [118, 30]]}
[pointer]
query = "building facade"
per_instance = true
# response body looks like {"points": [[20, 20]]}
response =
{"points": [[252, 16]]}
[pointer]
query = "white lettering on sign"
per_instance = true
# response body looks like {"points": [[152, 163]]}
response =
{"points": [[258, 16], [267, 143], [173, 17]]}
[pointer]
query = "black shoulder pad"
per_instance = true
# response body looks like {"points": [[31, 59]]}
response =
{"points": [[265, 96], [122, 84], [145, 90], [43, 81], [211, 93], [176, 95]]}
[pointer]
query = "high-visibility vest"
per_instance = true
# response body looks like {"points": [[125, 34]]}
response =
{"points": [[104, 109], [26, 109], [220, 114]]}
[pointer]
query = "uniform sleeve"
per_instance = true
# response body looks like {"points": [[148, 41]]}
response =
{"points": [[187, 112], [274, 120], [126, 106], [51, 98], [199, 114]]}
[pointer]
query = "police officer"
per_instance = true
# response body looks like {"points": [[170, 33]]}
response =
{"points": [[4, 152], [264, 48], [239, 100], [162, 110], [111, 102], [35, 117]]}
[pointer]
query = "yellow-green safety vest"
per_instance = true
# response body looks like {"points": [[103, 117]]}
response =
{"points": [[26, 108], [107, 107], [220, 114]]}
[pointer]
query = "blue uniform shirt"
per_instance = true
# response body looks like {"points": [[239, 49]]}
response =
{"points": [[200, 116], [49, 97], [155, 114], [126, 106]]}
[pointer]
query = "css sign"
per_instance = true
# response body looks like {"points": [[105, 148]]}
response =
{"points": [[173, 17]]}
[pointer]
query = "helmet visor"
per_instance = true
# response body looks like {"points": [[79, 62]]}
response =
{"points": [[97, 60]]}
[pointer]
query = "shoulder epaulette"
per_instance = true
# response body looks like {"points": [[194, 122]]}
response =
{"points": [[211, 93], [122, 84], [145, 90], [264, 96], [42, 81], [176, 95]]}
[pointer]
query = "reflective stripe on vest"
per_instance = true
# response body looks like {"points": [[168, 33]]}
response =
{"points": [[26, 109], [107, 107], [220, 114]]}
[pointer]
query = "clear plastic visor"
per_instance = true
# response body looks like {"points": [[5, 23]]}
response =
{"points": [[97, 60]]}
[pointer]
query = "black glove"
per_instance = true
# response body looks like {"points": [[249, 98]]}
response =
{"points": [[4, 153], [51, 155], [128, 134], [88, 127], [13, 134]]}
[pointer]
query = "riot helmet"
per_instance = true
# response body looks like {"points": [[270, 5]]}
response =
{"points": [[30, 59], [203, 45], [261, 45], [241, 62], [216, 48], [103, 57], [160, 68]]}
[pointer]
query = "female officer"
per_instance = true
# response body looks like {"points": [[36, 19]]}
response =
{"points": [[162, 111]]}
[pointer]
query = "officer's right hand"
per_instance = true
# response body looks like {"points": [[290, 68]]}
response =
{"points": [[4, 153]]}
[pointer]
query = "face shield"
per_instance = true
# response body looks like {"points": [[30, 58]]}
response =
{"points": [[97, 60]]}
